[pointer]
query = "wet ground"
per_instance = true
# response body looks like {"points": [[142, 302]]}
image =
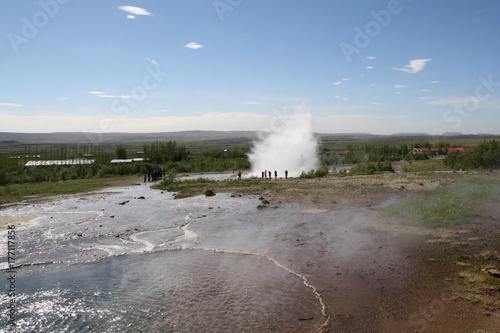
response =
{"points": [[134, 259]]}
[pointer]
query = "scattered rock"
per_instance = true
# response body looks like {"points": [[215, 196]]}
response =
{"points": [[112, 216], [141, 197], [79, 234], [310, 318], [264, 206], [210, 207], [265, 202], [209, 193], [123, 203], [494, 272]]}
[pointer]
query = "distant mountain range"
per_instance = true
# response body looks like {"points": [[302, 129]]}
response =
{"points": [[7, 138]]}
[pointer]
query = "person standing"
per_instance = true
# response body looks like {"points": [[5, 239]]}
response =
{"points": [[275, 174], [286, 174], [270, 175], [239, 175]]}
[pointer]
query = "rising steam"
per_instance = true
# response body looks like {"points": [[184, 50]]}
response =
{"points": [[291, 146]]}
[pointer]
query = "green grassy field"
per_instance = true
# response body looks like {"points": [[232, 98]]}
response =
{"points": [[13, 192], [452, 203]]}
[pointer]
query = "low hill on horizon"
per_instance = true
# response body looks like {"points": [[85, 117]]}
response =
{"points": [[11, 138]]}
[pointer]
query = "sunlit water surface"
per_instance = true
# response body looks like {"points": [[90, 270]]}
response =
{"points": [[114, 262]]}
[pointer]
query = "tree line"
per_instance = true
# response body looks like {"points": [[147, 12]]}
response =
{"points": [[484, 156], [158, 156]]}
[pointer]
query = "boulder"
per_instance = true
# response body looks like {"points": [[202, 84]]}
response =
{"points": [[209, 193], [494, 272]]}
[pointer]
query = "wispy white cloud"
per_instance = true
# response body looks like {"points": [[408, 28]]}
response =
{"points": [[447, 101], [371, 58], [345, 79], [193, 45], [152, 61], [252, 103], [134, 11], [399, 86], [415, 66], [425, 90], [434, 81], [375, 103], [104, 95], [485, 103], [369, 67], [131, 17], [337, 83], [13, 105], [114, 96], [61, 99]]}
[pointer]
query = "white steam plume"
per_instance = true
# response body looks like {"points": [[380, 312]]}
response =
{"points": [[291, 147]]}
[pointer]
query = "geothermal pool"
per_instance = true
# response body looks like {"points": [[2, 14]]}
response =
{"points": [[133, 259], [113, 262]]}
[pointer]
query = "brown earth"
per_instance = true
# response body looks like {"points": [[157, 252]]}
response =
{"points": [[405, 279]]}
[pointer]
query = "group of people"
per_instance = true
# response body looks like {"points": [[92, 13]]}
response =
{"points": [[154, 176], [268, 174]]}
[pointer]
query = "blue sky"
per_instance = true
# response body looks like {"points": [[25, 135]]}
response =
{"points": [[379, 67]]}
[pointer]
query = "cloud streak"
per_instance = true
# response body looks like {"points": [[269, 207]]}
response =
{"points": [[134, 11], [415, 66], [193, 46], [13, 105]]}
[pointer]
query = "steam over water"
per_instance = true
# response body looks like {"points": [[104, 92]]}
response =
{"points": [[291, 146], [89, 264]]}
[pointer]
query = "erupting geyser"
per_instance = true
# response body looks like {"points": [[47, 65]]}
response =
{"points": [[292, 146]]}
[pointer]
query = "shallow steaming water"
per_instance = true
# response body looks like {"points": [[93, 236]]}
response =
{"points": [[112, 262]]}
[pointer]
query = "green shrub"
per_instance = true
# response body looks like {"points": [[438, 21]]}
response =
{"points": [[321, 172]]}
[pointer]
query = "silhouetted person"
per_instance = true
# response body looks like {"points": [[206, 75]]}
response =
{"points": [[275, 174], [270, 175], [144, 177], [149, 177], [286, 174], [239, 175], [262, 174]]}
